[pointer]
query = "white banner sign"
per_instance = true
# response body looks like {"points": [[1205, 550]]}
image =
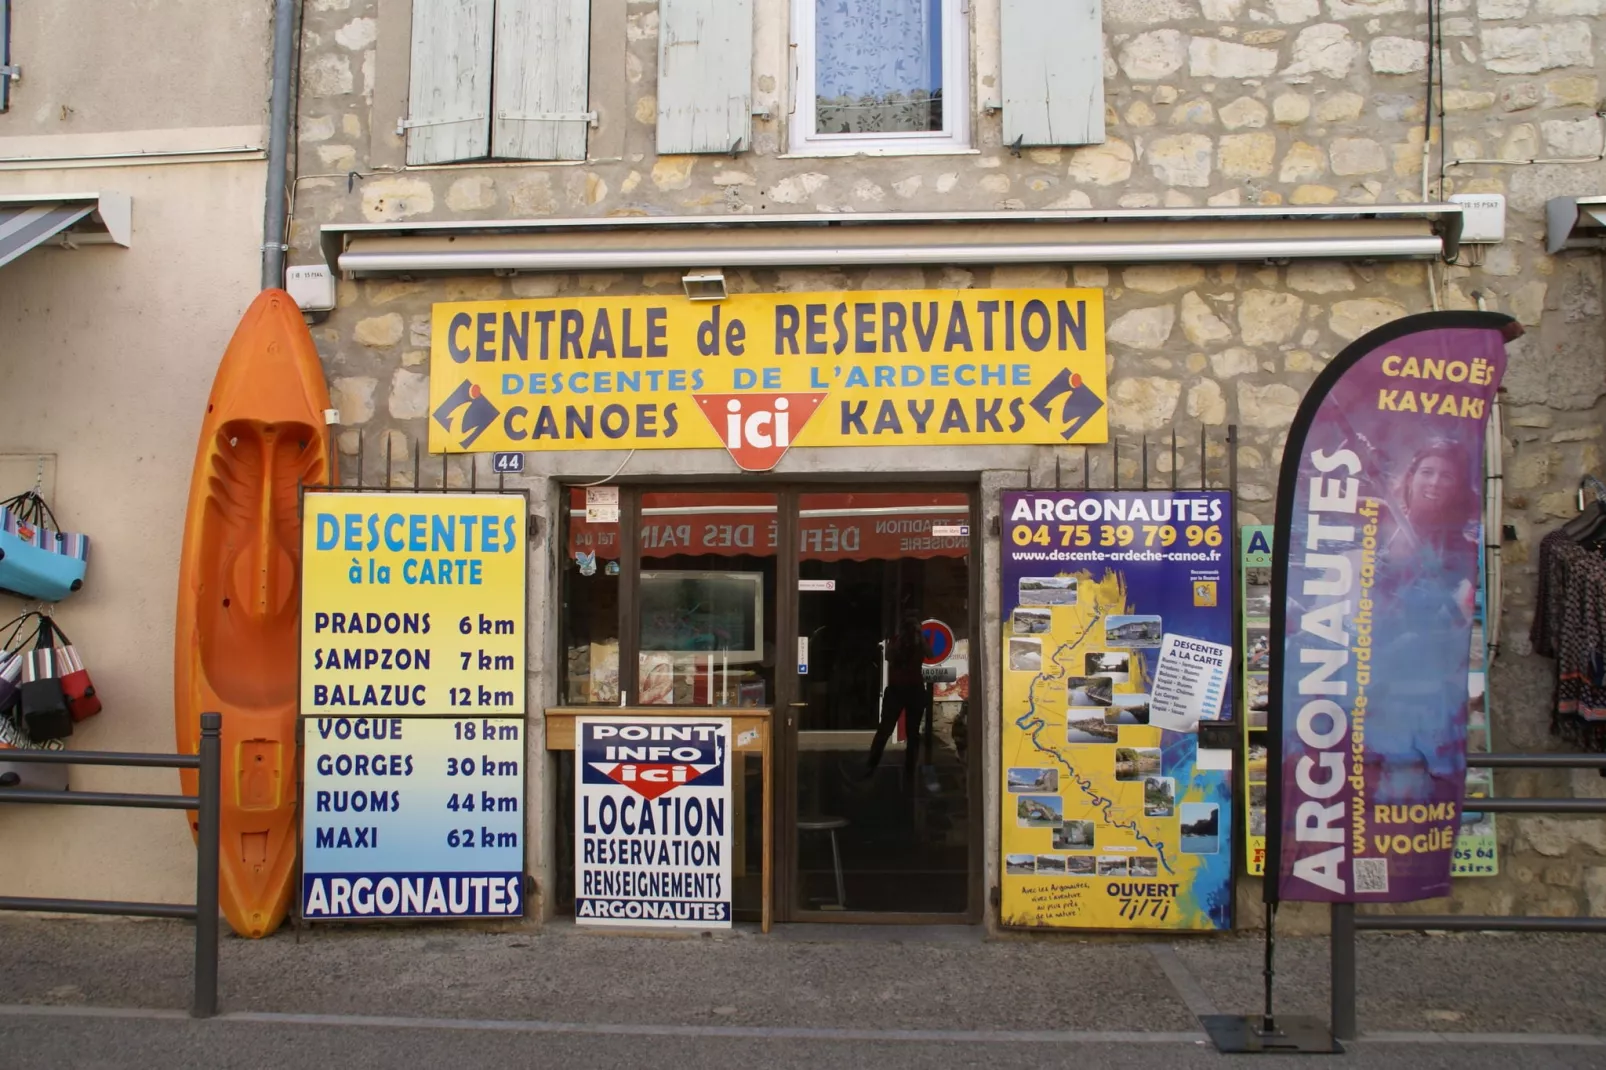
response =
{"points": [[1190, 683], [653, 821]]}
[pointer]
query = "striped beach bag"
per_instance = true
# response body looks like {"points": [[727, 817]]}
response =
{"points": [[38, 560]]}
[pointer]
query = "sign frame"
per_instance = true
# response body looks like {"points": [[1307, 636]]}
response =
{"points": [[1200, 598], [663, 776], [521, 715]]}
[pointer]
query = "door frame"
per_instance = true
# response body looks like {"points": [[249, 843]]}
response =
{"points": [[784, 894], [784, 728]]}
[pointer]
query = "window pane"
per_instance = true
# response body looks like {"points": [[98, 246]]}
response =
{"points": [[878, 66], [883, 789], [590, 607], [706, 599]]}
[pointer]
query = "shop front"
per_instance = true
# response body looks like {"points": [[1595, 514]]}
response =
{"points": [[768, 504]]}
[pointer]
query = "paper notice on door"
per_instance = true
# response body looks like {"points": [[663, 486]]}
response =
{"points": [[1190, 683], [802, 655], [602, 505]]}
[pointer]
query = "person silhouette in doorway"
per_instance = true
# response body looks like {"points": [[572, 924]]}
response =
{"points": [[905, 696]]}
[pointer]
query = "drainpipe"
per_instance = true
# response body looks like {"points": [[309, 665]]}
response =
{"points": [[274, 219]]}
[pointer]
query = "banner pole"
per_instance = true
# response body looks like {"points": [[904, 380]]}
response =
{"points": [[1341, 965]]}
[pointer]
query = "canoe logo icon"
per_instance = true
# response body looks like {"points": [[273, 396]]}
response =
{"points": [[478, 412], [1079, 406]]}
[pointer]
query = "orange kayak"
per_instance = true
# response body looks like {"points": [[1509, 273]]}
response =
{"points": [[236, 649]]}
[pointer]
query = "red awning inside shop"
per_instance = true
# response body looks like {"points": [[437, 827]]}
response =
{"points": [[831, 527]]}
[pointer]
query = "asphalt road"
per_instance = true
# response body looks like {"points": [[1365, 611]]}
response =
{"points": [[112, 994]]}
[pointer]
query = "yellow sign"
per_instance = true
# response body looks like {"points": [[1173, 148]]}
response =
{"points": [[756, 373], [413, 603]]}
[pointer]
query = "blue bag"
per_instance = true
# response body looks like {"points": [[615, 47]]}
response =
{"points": [[37, 561]]}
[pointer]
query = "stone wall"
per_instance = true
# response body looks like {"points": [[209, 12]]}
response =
{"points": [[1210, 102]]}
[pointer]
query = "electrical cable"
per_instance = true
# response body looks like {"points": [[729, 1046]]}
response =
{"points": [[609, 478]]}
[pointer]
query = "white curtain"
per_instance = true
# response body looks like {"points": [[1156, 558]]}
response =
{"points": [[878, 66]]}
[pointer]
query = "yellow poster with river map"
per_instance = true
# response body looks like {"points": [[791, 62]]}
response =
{"points": [[1117, 645]]}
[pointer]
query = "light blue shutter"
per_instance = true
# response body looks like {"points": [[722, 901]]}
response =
{"points": [[5, 54], [449, 88], [543, 66], [705, 75], [1053, 72]]}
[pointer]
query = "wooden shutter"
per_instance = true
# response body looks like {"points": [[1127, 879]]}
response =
{"points": [[1053, 72], [5, 54], [705, 75], [543, 59], [449, 87]]}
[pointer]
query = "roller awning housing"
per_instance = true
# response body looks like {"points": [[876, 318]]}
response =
{"points": [[1575, 223], [32, 219], [1136, 235]]}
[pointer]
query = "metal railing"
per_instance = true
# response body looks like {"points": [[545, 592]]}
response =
{"points": [[1345, 922], [204, 910]]}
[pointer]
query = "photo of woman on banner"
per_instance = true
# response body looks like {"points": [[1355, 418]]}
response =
{"points": [[1427, 563]]}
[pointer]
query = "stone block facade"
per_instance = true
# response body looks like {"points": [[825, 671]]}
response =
{"points": [[1209, 103]]}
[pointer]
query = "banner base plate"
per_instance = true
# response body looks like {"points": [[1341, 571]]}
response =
{"points": [[1293, 1035]]}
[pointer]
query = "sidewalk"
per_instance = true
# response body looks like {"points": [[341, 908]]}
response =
{"points": [[814, 981]]}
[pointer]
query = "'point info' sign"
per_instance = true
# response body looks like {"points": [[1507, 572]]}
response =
{"points": [[653, 822]]}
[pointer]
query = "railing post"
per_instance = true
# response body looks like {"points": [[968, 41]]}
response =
{"points": [[206, 867], [1341, 957]]}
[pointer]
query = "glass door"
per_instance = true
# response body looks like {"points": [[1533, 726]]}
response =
{"points": [[882, 784]]}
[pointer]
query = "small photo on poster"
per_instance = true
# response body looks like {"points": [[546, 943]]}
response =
{"points": [[1031, 778], [1257, 657], [1480, 785], [1159, 796], [1128, 709], [1074, 836], [1257, 797], [1115, 664], [1145, 865], [1258, 577], [1255, 772], [1032, 621], [1135, 763], [1257, 695], [1026, 655], [1134, 630], [1020, 865], [1051, 863], [1089, 726], [1089, 690], [1257, 821], [1257, 602], [1040, 811], [1047, 590], [1113, 865], [1477, 708], [1201, 828], [1081, 865]]}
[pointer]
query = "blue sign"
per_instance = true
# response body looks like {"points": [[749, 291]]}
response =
{"points": [[507, 463]]}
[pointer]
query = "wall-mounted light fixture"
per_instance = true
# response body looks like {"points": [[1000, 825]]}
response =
{"points": [[704, 286]]}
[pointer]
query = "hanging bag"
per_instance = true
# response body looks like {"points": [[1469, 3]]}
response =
{"points": [[45, 715], [82, 702], [37, 560], [35, 776], [11, 667]]}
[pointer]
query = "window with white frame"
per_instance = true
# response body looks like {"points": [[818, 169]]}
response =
{"points": [[880, 76]]}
